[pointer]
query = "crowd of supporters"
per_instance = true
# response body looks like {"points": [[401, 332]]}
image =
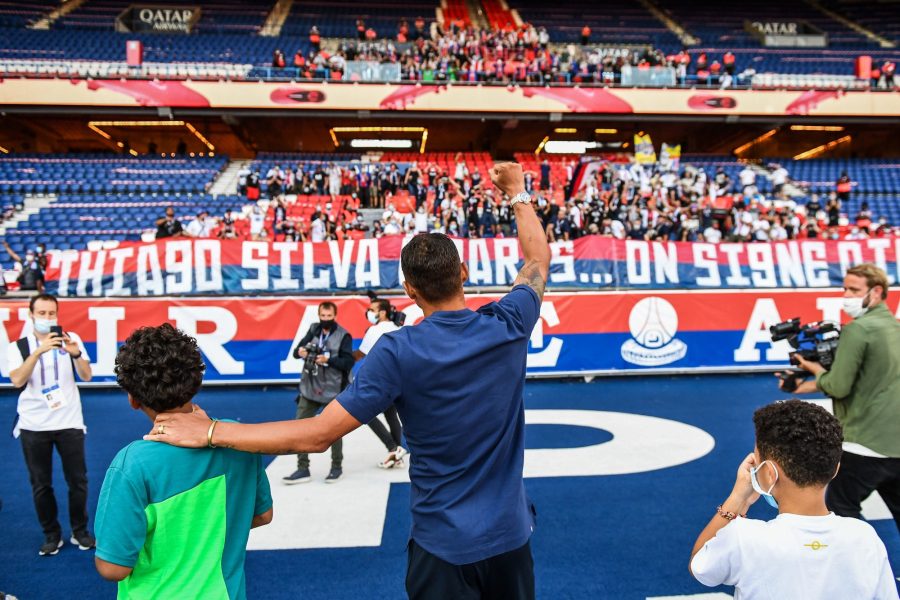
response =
{"points": [[511, 55], [622, 200]]}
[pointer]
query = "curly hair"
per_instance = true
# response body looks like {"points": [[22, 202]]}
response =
{"points": [[161, 367], [802, 437]]}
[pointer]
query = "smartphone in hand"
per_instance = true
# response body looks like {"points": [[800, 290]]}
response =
{"points": [[56, 329]]}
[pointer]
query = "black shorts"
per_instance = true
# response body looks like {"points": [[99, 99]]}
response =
{"points": [[507, 576]]}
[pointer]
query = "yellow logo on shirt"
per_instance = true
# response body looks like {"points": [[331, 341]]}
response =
{"points": [[816, 545]]}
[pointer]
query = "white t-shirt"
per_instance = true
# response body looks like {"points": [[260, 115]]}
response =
{"points": [[748, 176], [796, 556], [779, 176], [199, 229], [34, 412], [421, 222], [374, 333], [712, 235], [317, 232], [257, 221]]}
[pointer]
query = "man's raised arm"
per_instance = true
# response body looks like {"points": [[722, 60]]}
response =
{"points": [[509, 179]]}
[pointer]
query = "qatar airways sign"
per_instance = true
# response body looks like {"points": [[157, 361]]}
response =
{"points": [[792, 34], [161, 19]]}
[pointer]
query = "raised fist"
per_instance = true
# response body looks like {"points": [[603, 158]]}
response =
{"points": [[508, 178]]}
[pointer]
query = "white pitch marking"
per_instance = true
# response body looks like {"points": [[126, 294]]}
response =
{"points": [[351, 513], [713, 596]]}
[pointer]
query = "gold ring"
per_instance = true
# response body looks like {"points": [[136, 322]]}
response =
{"points": [[161, 430]]}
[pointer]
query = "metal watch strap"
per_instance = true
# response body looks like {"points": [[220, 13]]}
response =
{"points": [[523, 197]]}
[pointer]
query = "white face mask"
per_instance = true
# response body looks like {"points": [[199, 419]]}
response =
{"points": [[854, 306], [372, 316], [43, 326]]}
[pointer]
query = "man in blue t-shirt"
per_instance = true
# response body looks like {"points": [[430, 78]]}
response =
{"points": [[457, 380]]}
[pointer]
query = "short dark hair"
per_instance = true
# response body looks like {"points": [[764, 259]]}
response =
{"points": [[328, 305], [804, 438], [383, 305], [161, 367], [430, 263], [38, 297]]}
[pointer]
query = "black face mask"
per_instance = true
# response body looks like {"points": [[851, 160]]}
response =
{"points": [[327, 324]]}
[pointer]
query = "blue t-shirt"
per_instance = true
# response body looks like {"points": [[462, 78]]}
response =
{"points": [[457, 380]]}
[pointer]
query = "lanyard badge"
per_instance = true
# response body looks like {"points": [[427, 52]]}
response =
{"points": [[53, 394]]}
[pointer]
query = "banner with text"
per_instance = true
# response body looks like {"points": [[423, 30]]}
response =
{"points": [[251, 339], [213, 267]]}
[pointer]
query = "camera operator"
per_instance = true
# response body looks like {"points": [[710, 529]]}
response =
{"points": [[384, 319], [327, 353], [864, 383]]}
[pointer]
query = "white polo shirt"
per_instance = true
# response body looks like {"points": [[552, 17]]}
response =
{"points": [[796, 556], [374, 333], [53, 368]]}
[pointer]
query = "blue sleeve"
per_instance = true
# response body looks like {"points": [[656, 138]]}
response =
{"points": [[377, 384], [263, 492], [520, 309], [121, 523]]}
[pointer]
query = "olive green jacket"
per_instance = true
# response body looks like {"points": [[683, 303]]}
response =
{"points": [[864, 381]]}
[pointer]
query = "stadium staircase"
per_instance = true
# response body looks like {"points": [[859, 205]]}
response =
{"points": [[275, 21], [33, 204], [686, 38], [62, 11], [884, 43], [226, 182]]}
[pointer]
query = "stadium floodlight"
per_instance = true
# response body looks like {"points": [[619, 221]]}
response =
{"points": [[817, 128], [567, 147], [334, 131], [813, 152], [605, 130], [373, 143]]}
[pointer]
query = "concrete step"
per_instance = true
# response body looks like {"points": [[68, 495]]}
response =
{"points": [[226, 184]]}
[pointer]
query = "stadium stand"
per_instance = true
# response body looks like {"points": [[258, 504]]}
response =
{"points": [[21, 14], [332, 18], [610, 22], [878, 17]]}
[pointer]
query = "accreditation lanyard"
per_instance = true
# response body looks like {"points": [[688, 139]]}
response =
{"points": [[52, 394], [323, 338], [55, 370]]}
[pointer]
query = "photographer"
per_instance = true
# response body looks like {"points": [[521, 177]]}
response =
{"points": [[327, 353], [384, 319], [44, 364], [864, 383]]}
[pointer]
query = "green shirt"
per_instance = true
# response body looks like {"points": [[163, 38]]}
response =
{"points": [[180, 518], [864, 381]]}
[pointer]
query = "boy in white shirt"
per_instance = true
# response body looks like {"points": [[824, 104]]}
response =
{"points": [[806, 551]]}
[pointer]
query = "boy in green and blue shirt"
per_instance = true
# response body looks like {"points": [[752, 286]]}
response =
{"points": [[174, 522]]}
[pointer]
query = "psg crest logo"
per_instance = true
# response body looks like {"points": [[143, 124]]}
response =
{"points": [[653, 324]]}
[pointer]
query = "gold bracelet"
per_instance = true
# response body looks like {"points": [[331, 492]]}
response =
{"points": [[209, 434]]}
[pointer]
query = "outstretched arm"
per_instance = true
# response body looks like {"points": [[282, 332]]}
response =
{"points": [[509, 179], [190, 430]]}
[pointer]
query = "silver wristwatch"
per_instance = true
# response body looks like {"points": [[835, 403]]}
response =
{"points": [[523, 197]]}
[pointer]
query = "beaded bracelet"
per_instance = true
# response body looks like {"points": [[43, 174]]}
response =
{"points": [[728, 515]]}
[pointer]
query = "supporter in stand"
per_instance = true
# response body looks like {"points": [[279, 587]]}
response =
{"points": [[843, 186], [201, 227], [169, 226], [31, 270]]}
